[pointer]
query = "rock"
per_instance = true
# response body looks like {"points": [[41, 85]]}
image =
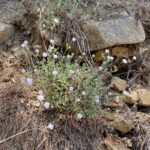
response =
{"points": [[120, 51], [6, 31], [111, 32], [118, 84], [113, 142], [138, 96], [121, 124]]}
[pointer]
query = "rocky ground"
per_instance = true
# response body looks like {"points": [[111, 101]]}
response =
{"points": [[121, 26]]}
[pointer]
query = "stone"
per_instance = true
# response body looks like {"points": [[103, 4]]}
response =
{"points": [[6, 31], [121, 123], [138, 96], [122, 126], [113, 142], [98, 55], [118, 84], [120, 51], [115, 31]]}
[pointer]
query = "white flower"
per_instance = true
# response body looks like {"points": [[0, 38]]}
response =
{"points": [[72, 71], [45, 54], [40, 92], [74, 39], [83, 93], [46, 105], [56, 20], [134, 58], [24, 44], [37, 50], [107, 51], [77, 100], [83, 53], [40, 97], [52, 41], [110, 58], [71, 88], [35, 70], [126, 93], [100, 68], [23, 70], [79, 115], [55, 72], [93, 56], [50, 126], [97, 99], [124, 61], [68, 56], [55, 56], [29, 81]]}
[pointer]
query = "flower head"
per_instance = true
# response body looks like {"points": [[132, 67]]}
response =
{"points": [[74, 39], [50, 126], [71, 88], [45, 54], [124, 61], [83, 93], [46, 105], [77, 100], [55, 56], [55, 72], [24, 44], [134, 58], [56, 20], [72, 71], [40, 92], [52, 41], [79, 116], [97, 99], [29, 81], [41, 97], [107, 51]]}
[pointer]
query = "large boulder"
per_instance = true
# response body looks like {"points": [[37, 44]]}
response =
{"points": [[114, 31], [6, 31]]}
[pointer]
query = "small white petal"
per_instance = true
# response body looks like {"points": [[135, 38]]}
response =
{"points": [[72, 71], [55, 56], [29, 81], [93, 56], [107, 51], [100, 68], [79, 115], [78, 100], [83, 93], [50, 126], [46, 105], [97, 99], [40, 97], [52, 41], [124, 61], [134, 58], [37, 51], [55, 72], [71, 88], [56, 20], [40, 92], [45, 54], [74, 39]]}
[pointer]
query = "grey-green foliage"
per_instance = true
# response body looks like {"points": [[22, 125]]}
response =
{"points": [[73, 89]]}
